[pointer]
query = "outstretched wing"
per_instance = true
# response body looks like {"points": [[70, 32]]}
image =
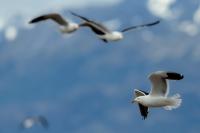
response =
{"points": [[96, 27], [140, 26], [53, 16], [160, 84], [143, 109]]}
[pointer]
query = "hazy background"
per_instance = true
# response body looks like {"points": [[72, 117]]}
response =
{"points": [[83, 85]]}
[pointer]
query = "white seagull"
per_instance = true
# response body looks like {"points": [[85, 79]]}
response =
{"points": [[65, 26], [104, 33], [158, 96], [29, 122]]}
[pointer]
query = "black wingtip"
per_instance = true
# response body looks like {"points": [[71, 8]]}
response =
{"points": [[174, 76], [30, 22], [154, 23], [157, 22], [144, 111], [71, 12], [182, 76], [80, 16], [144, 117], [35, 20], [74, 14]]}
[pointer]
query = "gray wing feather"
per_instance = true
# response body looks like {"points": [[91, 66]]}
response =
{"points": [[159, 81], [140, 26], [159, 84], [53, 16], [91, 23]]}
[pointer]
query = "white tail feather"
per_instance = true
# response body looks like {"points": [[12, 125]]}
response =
{"points": [[174, 101]]}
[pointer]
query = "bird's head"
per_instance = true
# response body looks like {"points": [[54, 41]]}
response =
{"points": [[138, 100]]}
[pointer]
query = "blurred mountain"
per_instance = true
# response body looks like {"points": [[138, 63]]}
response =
{"points": [[82, 84]]}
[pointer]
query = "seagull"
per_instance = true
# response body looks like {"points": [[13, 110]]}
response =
{"points": [[29, 122], [104, 33], [158, 96], [65, 26]]}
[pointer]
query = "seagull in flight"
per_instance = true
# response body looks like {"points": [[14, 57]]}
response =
{"points": [[104, 33], [65, 25], [29, 122], [158, 96]]}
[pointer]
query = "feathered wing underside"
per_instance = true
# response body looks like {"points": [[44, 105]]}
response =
{"points": [[53, 16], [159, 86], [143, 109], [140, 26], [159, 81], [96, 27]]}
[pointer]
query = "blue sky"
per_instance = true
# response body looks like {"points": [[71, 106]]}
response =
{"points": [[82, 85]]}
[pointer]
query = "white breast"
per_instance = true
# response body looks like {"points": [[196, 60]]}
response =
{"points": [[28, 123], [71, 27], [113, 36], [155, 101]]}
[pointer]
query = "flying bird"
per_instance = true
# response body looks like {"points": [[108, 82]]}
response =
{"points": [[29, 122], [104, 33], [158, 96], [65, 25]]}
